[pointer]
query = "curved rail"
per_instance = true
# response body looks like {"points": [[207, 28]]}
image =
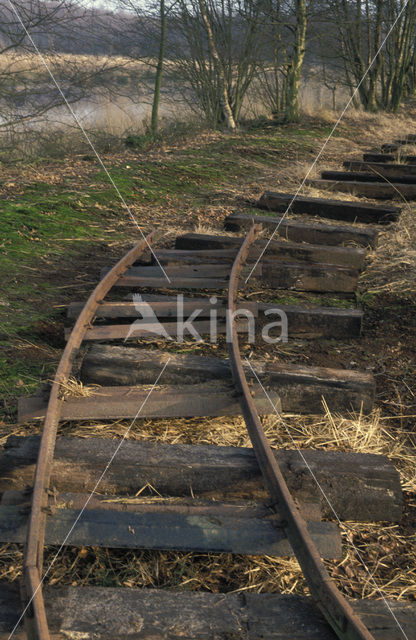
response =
{"points": [[337, 611], [333, 605], [35, 618]]}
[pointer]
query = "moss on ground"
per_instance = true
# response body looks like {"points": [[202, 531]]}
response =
{"points": [[53, 226]]}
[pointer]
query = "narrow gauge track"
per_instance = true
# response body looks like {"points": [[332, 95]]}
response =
{"points": [[213, 262], [335, 608]]}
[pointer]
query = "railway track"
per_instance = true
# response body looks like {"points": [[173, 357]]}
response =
{"points": [[285, 512]]}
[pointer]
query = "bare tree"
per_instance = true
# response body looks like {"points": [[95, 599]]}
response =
{"points": [[26, 89], [217, 53], [159, 67], [223, 96], [284, 35], [296, 61], [362, 26], [145, 29], [399, 53]]}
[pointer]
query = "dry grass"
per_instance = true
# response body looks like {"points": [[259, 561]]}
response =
{"points": [[209, 230], [388, 550], [73, 388], [380, 128], [393, 266], [357, 433], [23, 62], [380, 546], [389, 556]]}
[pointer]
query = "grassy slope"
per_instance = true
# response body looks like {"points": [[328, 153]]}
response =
{"points": [[57, 218], [62, 221]]}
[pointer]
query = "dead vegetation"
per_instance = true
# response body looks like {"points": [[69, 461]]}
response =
{"points": [[393, 266], [388, 550], [73, 388]]}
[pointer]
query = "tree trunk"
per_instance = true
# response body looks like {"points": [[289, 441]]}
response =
{"points": [[224, 97], [295, 68], [159, 69], [283, 93], [407, 31]]}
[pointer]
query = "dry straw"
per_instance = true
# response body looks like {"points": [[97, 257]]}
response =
{"points": [[387, 549]]}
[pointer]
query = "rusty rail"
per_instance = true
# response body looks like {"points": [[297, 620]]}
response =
{"points": [[337, 611], [334, 607], [36, 623]]}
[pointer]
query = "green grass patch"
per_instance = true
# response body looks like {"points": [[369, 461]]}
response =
{"points": [[40, 227], [48, 231], [20, 375], [158, 182]]}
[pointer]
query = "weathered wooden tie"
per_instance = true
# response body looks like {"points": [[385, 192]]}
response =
{"points": [[369, 176], [123, 402], [326, 234], [375, 190], [298, 276], [409, 138], [398, 144], [361, 487], [214, 528], [385, 157], [185, 271], [142, 614], [385, 170], [314, 277], [304, 322], [277, 250], [163, 307], [334, 209], [155, 329], [390, 147], [300, 388]]}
